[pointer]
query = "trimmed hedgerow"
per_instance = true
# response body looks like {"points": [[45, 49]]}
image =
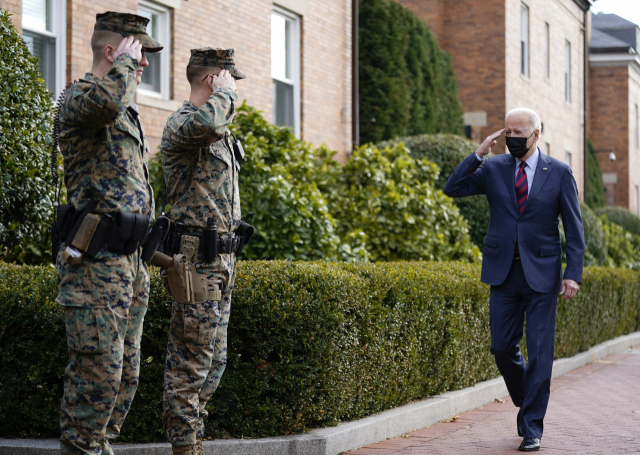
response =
{"points": [[622, 217], [310, 343]]}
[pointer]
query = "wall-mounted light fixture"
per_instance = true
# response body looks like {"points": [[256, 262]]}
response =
{"points": [[612, 155]]}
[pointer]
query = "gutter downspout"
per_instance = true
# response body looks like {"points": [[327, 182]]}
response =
{"points": [[355, 88], [585, 101]]}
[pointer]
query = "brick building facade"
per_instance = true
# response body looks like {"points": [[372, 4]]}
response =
{"points": [[614, 100], [296, 54], [518, 53]]}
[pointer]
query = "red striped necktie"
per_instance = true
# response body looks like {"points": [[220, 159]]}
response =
{"points": [[522, 192]]}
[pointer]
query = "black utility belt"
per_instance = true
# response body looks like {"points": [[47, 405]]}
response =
{"points": [[120, 232], [211, 243]]}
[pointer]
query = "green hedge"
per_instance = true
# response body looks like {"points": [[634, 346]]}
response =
{"points": [[447, 151], [595, 187], [311, 344], [26, 193], [622, 217], [407, 83]]}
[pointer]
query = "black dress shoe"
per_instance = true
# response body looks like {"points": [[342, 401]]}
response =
{"points": [[519, 422], [529, 445]]}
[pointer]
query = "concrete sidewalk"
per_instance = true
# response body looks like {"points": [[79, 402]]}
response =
{"points": [[593, 409]]}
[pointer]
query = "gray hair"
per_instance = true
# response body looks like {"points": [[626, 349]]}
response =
{"points": [[534, 120]]}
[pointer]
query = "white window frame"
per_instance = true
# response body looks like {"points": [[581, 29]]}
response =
{"points": [[567, 71], [524, 40], [164, 37], [295, 64], [59, 32], [547, 51]]}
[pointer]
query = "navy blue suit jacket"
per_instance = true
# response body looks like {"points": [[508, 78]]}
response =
{"points": [[554, 192]]}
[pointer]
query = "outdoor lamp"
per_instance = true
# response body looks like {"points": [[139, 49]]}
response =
{"points": [[612, 155]]}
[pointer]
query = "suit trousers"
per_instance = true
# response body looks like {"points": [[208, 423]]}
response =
{"points": [[528, 383]]}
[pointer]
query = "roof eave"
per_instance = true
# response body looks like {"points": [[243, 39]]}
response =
{"points": [[584, 4]]}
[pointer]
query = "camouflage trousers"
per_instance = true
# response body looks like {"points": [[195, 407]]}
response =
{"points": [[196, 359], [105, 300]]}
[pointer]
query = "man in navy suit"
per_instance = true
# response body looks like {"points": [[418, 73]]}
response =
{"points": [[522, 262]]}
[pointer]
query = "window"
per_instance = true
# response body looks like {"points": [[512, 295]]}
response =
{"points": [[155, 77], [567, 158], [567, 71], [44, 31], [524, 40], [547, 148], [547, 51], [285, 68]]}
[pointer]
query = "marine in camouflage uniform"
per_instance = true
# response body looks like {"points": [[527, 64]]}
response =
{"points": [[202, 182], [105, 298]]}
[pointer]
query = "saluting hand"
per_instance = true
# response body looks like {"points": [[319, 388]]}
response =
{"points": [[129, 45], [569, 289], [489, 142], [223, 79]]}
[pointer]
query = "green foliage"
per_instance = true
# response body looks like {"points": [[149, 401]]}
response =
{"points": [[623, 246], [622, 217], [310, 344], [447, 151], [26, 193], [595, 187], [392, 198], [594, 238], [407, 84]]}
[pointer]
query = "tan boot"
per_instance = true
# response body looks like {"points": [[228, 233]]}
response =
{"points": [[199, 448], [184, 450]]}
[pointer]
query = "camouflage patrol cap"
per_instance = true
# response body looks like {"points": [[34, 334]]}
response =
{"points": [[216, 57], [128, 25]]}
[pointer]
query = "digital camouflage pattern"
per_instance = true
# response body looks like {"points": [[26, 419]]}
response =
{"points": [[104, 298], [103, 145], [218, 58], [202, 182], [196, 359], [104, 312], [128, 25]]}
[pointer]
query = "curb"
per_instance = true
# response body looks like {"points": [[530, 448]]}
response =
{"points": [[350, 435]]}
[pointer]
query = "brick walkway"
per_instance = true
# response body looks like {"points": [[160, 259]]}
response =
{"points": [[594, 409]]}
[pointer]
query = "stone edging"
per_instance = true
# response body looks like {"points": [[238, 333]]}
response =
{"points": [[349, 435]]}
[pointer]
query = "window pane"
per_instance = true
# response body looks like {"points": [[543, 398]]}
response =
{"points": [[524, 40], [36, 14], [280, 47], [283, 103], [44, 49], [151, 74], [567, 158]]}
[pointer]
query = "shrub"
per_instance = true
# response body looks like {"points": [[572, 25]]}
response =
{"points": [[26, 193], [391, 197], [623, 247], [594, 238], [407, 84], [595, 187], [310, 344], [447, 151], [622, 217]]}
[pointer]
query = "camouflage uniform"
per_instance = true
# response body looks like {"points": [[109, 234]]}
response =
{"points": [[105, 298], [202, 182]]}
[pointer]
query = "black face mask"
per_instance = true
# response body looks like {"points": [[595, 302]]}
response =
{"points": [[518, 145]]}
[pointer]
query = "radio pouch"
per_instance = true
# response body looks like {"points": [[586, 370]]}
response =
{"points": [[85, 232]]}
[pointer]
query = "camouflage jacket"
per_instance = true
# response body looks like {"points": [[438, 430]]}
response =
{"points": [[103, 145], [199, 167]]}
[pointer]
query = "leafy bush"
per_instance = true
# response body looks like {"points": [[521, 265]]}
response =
{"points": [[595, 187], [407, 84], [26, 193], [310, 344], [594, 238], [622, 217], [392, 198], [447, 151], [623, 247]]}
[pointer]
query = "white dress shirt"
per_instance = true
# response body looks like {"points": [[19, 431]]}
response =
{"points": [[529, 169]]}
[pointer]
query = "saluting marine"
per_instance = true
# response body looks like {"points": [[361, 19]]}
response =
{"points": [[201, 166], [103, 283]]}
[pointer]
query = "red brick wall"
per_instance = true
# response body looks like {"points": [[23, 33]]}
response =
{"points": [[473, 31], [609, 124], [15, 8]]}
